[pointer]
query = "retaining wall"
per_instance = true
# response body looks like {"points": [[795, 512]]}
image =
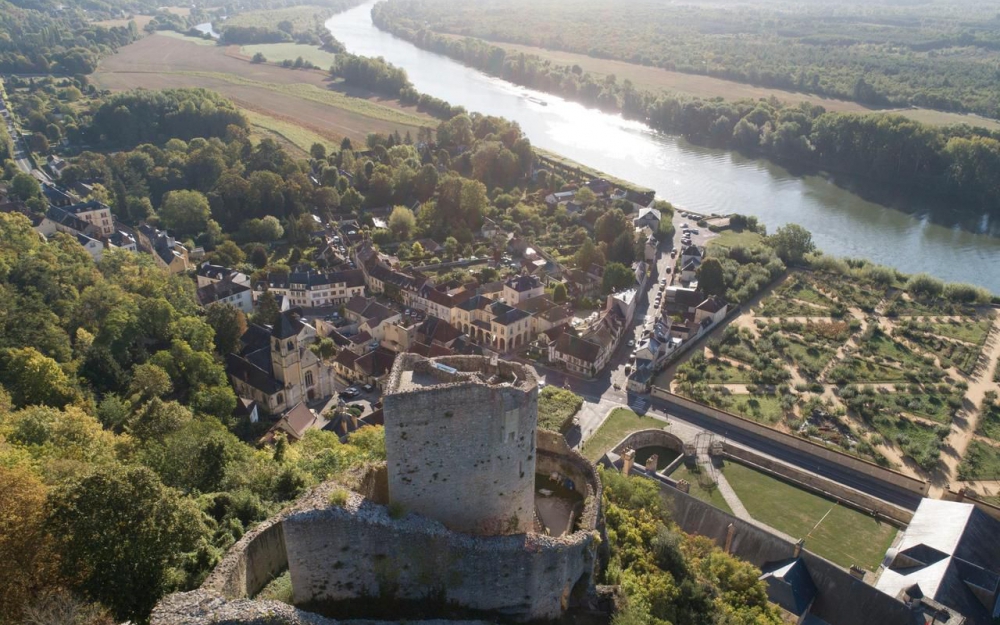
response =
{"points": [[820, 485], [650, 438], [841, 598], [894, 478]]}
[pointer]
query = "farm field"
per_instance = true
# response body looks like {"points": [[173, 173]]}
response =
{"points": [[835, 532], [303, 17], [278, 52], [308, 99], [820, 356]]}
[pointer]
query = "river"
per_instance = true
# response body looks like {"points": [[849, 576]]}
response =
{"points": [[911, 235]]}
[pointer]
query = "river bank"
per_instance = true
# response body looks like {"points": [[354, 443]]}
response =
{"points": [[909, 234]]}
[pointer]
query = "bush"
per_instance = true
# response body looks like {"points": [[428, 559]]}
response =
{"points": [[339, 497]]}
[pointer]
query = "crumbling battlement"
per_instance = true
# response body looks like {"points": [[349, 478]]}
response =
{"points": [[460, 442]]}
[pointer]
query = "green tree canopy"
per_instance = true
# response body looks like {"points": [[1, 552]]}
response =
{"points": [[185, 212]]}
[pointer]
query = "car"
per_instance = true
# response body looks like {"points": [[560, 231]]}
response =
{"points": [[631, 343], [368, 388], [349, 393], [684, 225], [695, 231], [673, 253], [541, 384]]}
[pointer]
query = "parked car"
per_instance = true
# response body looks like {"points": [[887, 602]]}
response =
{"points": [[673, 253], [368, 388], [631, 343], [349, 393]]}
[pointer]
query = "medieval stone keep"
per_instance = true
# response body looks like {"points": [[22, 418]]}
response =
{"points": [[460, 442], [475, 515]]}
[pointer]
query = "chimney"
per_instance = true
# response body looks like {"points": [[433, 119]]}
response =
{"points": [[857, 572], [798, 547], [628, 458], [730, 532], [651, 463]]}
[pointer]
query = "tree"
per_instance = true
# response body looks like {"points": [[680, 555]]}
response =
{"points": [[622, 248], [588, 254], [25, 548], [617, 277], [610, 225], [585, 197], [711, 278], [259, 58], [451, 247], [402, 223], [559, 294], [229, 324], [318, 151], [34, 379], [149, 381], [791, 243], [258, 255], [417, 250], [185, 212], [267, 309], [121, 532], [24, 187]]}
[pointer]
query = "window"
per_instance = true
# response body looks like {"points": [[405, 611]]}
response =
{"points": [[309, 378], [289, 346], [280, 398]]}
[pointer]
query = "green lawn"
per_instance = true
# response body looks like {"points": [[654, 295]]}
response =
{"points": [[619, 424], [732, 238], [705, 492], [723, 372], [833, 531], [812, 357], [301, 138], [556, 407], [278, 52]]}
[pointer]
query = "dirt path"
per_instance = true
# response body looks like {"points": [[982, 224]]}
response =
{"points": [[964, 426]]}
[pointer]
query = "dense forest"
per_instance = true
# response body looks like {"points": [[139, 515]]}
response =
{"points": [[939, 54], [957, 162], [36, 38]]}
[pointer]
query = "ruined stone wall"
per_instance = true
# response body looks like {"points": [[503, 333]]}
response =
{"points": [[251, 563], [358, 551], [463, 452], [555, 455]]}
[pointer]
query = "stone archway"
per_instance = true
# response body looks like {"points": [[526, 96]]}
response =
{"points": [[503, 345]]}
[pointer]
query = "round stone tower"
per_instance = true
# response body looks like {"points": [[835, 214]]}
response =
{"points": [[460, 441]]}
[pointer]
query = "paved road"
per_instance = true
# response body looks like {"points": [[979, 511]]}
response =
{"points": [[815, 464]]}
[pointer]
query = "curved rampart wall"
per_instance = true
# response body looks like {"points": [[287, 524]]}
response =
{"points": [[358, 551]]}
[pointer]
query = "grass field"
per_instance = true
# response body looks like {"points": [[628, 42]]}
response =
{"points": [[278, 52], [704, 492], [731, 238], [173, 34], [837, 533], [619, 424], [308, 99], [303, 18], [296, 137]]}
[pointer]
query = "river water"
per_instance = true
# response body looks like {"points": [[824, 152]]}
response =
{"points": [[910, 234]]}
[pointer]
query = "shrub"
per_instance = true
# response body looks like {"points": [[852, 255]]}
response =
{"points": [[339, 497]]}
